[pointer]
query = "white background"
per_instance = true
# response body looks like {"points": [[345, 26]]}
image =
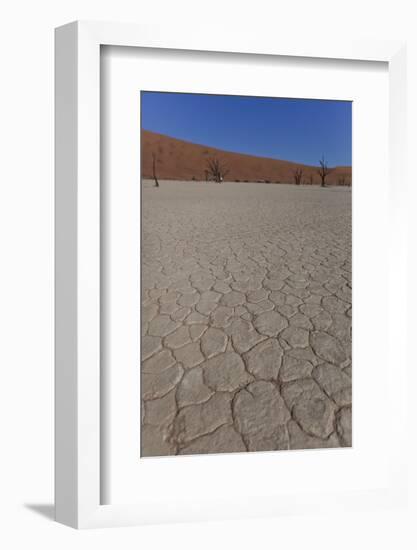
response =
{"points": [[26, 301]]}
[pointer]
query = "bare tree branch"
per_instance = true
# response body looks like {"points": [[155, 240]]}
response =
{"points": [[216, 170], [298, 174], [323, 171]]}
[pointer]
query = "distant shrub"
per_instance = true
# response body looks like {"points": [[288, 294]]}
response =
{"points": [[267, 181], [237, 181]]}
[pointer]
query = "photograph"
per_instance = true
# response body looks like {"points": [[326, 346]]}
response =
{"points": [[246, 274]]}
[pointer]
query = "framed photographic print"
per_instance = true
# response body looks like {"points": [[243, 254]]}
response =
{"points": [[207, 196]]}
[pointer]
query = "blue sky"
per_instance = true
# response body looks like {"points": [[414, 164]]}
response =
{"points": [[299, 130]]}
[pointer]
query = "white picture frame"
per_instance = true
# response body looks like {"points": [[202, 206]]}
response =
{"points": [[78, 405]]}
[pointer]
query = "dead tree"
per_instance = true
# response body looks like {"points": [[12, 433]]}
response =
{"points": [[216, 170], [342, 180], [323, 171], [311, 179], [298, 174], [154, 169]]}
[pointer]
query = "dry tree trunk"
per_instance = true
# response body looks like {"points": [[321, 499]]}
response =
{"points": [[298, 174], [323, 171], [154, 170]]}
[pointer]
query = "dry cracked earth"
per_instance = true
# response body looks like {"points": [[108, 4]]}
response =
{"points": [[246, 318]]}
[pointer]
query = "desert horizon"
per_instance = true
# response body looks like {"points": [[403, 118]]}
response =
{"points": [[178, 159]]}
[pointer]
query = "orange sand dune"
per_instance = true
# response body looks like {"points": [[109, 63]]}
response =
{"points": [[182, 160]]}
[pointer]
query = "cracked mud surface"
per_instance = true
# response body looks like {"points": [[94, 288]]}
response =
{"points": [[246, 318]]}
